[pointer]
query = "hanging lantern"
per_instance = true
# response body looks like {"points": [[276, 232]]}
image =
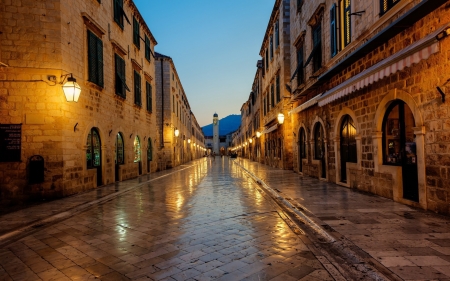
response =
{"points": [[71, 89]]}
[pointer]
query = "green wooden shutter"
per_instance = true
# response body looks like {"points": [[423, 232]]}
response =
{"points": [[333, 31], [100, 80]]}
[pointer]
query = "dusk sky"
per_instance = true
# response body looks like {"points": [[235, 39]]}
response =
{"points": [[214, 45]]}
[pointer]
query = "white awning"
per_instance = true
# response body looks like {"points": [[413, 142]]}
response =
{"points": [[306, 104], [412, 54], [274, 127]]}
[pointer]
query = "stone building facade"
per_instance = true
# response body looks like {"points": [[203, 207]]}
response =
{"points": [[276, 139], [50, 147], [180, 137], [368, 97]]}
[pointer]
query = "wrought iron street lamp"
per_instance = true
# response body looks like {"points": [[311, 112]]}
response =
{"points": [[280, 118], [71, 89]]}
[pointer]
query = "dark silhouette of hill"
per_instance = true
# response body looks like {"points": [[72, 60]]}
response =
{"points": [[227, 125]]}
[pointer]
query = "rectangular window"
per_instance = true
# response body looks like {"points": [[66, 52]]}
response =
{"points": [[317, 50], [148, 92], [278, 88], [272, 96], [345, 23], [267, 59], [95, 59], [148, 50], [333, 31], [300, 70], [386, 5], [137, 89], [271, 47], [119, 13], [136, 36], [121, 85], [277, 35], [264, 106]]}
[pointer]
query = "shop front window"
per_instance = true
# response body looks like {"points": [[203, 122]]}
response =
{"points": [[399, 146], [119, 149], [93, 151]]}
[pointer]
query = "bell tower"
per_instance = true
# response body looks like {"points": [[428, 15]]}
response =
{"points": [[216, 147]]}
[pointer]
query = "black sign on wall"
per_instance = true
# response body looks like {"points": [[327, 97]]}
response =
{"points": [[10, 142]]}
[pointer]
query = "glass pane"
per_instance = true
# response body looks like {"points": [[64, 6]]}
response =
{"points": [[96, 148], [137, 149], [410, 139], [392, 136], [89, 150]]}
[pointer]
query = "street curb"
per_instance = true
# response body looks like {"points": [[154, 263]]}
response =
{"points": [[36, 225], [362, 265]]}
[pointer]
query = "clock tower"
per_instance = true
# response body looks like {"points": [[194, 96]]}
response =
{"points": [[216, 147]]}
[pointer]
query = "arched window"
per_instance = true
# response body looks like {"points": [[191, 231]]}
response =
{"points": [[398, 135], [120, 159], [319, 144], [93, 151], [347, 145], [348, 140], [137, 149]]}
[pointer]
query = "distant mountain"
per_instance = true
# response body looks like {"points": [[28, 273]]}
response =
{"points": [[227, 125]]}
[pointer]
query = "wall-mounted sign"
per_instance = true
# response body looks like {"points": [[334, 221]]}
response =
{"points": [[10, 142]]}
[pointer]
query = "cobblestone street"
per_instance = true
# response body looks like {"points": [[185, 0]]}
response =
{"points": [[201, 222]]}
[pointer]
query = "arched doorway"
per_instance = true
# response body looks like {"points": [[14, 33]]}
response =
{"points": [[137, 153], [319, 148], [149, 154], [399, 146], [119, 155], [347, 145], [94, 153], [301, 149]]}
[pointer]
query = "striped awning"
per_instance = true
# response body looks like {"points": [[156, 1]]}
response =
{"points": [[306, 104], [270, 129], [414, 53]]}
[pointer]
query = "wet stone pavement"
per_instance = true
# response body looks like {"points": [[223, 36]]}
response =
{"points": [[203, 221], [402, 243]]}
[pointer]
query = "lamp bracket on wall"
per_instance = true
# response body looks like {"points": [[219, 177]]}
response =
{"points": [[131, 135], [75, 127], [359, 13], [110, 131]]}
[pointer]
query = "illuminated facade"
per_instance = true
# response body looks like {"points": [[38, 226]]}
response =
{"points": [[180, 136], [367, 111]]}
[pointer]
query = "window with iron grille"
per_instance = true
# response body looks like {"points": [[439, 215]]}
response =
{"points": [[333, 31], [95, 59], [119, 13], [277, 35], [317, 50], [148, 92], [147, 48], [121, 85], [137, 89], [136, 36], [278, 88], [386, 5]]}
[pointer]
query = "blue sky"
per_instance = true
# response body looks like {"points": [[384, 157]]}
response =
{"points": [[215, 46]]}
